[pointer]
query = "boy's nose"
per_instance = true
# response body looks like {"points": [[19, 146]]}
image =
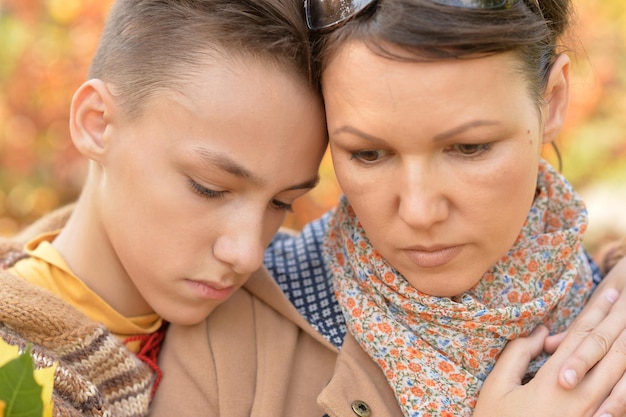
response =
{"points": [[242, 248]]}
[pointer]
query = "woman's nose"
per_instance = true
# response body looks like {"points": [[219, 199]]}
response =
{"points": [[422, 198]]}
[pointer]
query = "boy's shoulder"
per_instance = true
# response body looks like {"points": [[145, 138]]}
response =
{"points": [[54, 220], [90, 360], [37, 314], [12, 247]]}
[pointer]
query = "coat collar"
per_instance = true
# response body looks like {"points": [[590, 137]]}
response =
{"points": [[263, 286]]}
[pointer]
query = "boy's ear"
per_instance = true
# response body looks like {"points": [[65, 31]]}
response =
{"points": [[90, 114], [556, 98]]}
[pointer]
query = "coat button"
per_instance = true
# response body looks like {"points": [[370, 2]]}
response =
{"points": [[361, 409]]}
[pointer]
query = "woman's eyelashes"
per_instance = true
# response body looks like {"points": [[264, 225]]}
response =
{"points": [[371, 156], [470, 149], [207, 193], [367, 156]]}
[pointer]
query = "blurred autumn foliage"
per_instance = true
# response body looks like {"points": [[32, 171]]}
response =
{"points": [[46, 45], [45, 48]]}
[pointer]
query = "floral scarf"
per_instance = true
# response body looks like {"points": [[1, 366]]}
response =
{"points": [[436, 352]]}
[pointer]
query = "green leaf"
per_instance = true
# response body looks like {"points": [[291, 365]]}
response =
{"points": [[18, 388]]}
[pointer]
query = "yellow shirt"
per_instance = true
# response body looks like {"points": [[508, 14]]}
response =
{"points": [[47, 269]]}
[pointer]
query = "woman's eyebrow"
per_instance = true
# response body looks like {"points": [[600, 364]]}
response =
{"points": [[353, 130], [437, 138], [463, 127]]}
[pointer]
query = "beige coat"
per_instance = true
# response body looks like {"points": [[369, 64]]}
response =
{"points": [[255, 356]]}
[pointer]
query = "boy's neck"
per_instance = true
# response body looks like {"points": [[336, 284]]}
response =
{"points": [[85, 246]]}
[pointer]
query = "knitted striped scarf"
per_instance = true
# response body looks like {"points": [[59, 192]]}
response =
{"points": [[96, 375]]}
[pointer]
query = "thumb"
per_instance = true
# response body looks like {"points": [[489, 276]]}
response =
{"points": [[513, 362]]}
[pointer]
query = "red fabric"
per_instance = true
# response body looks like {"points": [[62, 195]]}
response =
{"points": [[150, 346]]}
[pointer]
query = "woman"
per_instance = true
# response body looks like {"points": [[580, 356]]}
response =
{"points": [[454, 236]]}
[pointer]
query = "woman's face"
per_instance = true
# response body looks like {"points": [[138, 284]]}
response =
{"points": [[439, 159]]}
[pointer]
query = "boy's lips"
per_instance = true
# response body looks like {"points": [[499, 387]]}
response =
{"points": [[211, 291], [433, 257]]}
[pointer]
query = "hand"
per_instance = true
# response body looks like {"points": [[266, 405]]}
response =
{"points": [[598, 334], [503, 395]]}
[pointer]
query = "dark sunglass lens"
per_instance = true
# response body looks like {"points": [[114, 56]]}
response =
{"points": [[474, 4], [325, 13]]}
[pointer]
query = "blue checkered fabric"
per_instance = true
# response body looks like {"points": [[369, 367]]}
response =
{"points": [[595, 271], [295, 262]]}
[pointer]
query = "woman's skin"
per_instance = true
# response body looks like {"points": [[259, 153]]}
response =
{"points": [[459, 174]]}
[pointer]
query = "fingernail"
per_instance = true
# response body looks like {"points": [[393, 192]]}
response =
{"points": [[571, 377], [606, 415], [612, 295]]}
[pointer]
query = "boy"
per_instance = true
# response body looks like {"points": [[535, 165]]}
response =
{"points": [[179, 202]]}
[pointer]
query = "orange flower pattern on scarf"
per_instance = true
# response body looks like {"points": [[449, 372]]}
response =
{"points": [[436, 352]]}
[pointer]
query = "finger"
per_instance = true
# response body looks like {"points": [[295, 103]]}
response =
{"points": [[600, 386], [591, 336], [513, 362], [594, 313], [554, 341], [615, 405], [608, 378]]}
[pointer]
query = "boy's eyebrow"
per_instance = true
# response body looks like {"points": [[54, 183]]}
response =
{"points": [[227, 164], [306, 185]]}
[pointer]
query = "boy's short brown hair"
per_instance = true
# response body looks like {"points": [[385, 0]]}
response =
{"points": [[151, 45]]}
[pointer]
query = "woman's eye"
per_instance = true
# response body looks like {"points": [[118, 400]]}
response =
{"points": [[367, 156], [468, 149], [279, 205], [204, 192]]}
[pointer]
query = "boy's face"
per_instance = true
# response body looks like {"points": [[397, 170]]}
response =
{"points": [[190, 194]]}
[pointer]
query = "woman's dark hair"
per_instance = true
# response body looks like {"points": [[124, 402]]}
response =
{"points": [[415, 30], [151, 45]]}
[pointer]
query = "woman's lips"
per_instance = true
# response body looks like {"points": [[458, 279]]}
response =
{"points": [[433, 258]]}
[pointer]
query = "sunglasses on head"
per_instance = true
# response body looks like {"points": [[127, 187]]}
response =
{"points": [[327, 14]]}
